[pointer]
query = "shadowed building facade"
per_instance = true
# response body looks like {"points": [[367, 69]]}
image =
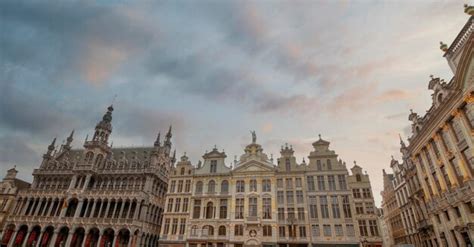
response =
{"points": [[95, 196], [254, 202]]}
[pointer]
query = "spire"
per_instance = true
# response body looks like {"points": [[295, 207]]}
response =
{"points": [[158, 142], [70, 138], [402, 143], [168, 138], [104, 127], [51, 146]]}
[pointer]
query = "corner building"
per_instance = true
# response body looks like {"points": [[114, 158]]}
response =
{"points": [[254, 202], [95, 196]]}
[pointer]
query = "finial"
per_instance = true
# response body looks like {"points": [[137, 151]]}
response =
{"points": [[355, 162], [215, 146], [319, 136], [69, 139], [254, 136], [443, 46], [157, 141], [51, 146], [392, 157], [468, 9]]}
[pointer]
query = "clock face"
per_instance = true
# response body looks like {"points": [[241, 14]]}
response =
{"points": [[253, 233]]}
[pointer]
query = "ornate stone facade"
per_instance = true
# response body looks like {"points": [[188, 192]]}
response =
{"points": [[254, 202], [9, 188], [96, 196], [438, 164]]}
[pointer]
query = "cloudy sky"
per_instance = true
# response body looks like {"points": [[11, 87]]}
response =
{"points": [[349, 70]]}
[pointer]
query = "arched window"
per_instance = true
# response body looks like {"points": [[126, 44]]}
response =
{"points": [[199, 187], [318, 165], [209, 210], [182, 170], [328, 162], [89, 157], [225, 187], [211, 187], [98, 159], [208, 231], [194, 230], [222, 231]]}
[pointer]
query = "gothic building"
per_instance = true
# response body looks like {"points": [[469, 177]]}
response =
{"points": [[95, 196], [255, 202]]}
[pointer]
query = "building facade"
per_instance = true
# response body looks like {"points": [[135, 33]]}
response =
{"points": [[95, 196], [365, 210], [254, 202], [9, 188], [391, 210], [438, 164]]}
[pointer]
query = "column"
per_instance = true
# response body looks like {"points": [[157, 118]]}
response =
{"points": [[122, 206], [137, 210], [27, 235], [63, 209], [101, 208], [447, 164], [28, 201], [54, 237], [79, 208], [115, 239], [434, 159], [466, 171], [143, 213], [94, 204], [36, 209], [69, 238], [107, 208], [73, 182], [38, 243], [88, 178]]}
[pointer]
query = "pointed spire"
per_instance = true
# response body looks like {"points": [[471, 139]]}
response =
{"points": [[158, 142], [168, 138], [70, 138], [51, 146], [402, 143]]}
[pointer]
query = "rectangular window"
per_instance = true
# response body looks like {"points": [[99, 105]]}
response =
{"points": [[338, 230], [313, 208], [281, 214], [172, 186], [350, 230], [374, 230], [282, 231], [299, 196], [356, 193], [252, 206], [267, 231], [174, 227], [346, 206], [369, 208], [302, 232], [185, 204], [327, 230], [315, 230], [213, 166], [239, 208], [177, 205], [197, 209], [182, 226], [166, 227], [223, 209], [266, 185], [335, 207], [267, 208], [366, 193], [363, 228], [170, 205], [321, 185], [280, 197], [280, 183], [445, 176], [292, 231], [240, 186], [253, 185], [298, 182], [289, 197], [331, 183], [289, 183], [342, 182], [310, 182], [291, 213], [187, 186], [446, 213], [323, 200], [180, 186], [300, 213], [239, 230]]}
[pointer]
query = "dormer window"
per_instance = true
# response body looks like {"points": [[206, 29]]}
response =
{"points": [[287, 164], [358, 177], [318, 165], [213, 166], [182, 170], [328, 162]]}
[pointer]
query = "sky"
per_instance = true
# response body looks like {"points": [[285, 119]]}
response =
{"points": [[214, 70]]}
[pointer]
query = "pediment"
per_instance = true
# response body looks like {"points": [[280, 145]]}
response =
{"points": [[254, 166]]}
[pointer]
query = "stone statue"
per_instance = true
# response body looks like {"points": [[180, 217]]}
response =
{"points": [[254, 136]]}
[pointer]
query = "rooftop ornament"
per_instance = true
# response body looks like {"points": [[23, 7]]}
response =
{"points": [[443, 46], [469, 9]]}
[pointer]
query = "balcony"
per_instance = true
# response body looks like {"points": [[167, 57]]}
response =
{"points": [[252, 219]]}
